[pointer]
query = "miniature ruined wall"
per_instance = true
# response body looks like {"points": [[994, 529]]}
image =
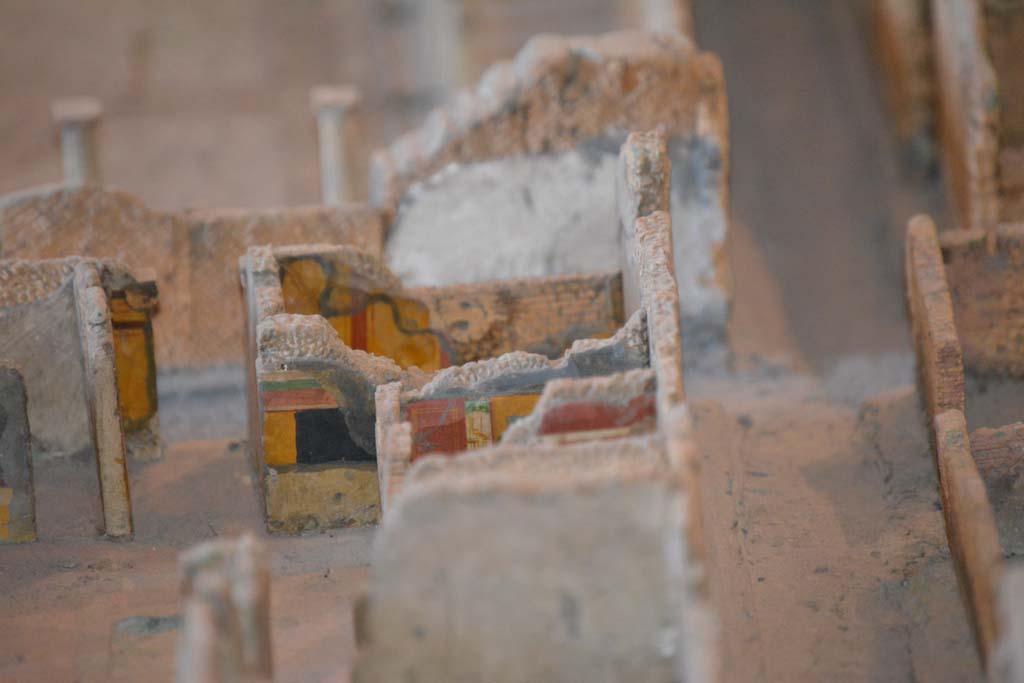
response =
{"points": [[433, 418], [504, 546], [394, 443], [262, 298], [970, 523], [932, 322], [311, 410], [192, 253], [483, 567], [572, 410], [643, 186], [967, 110], [537, 315], [660, 300], [1004, 26], [323, 292], [17, 489], [364, 303], [647, 239], [986, 282], [41, 337], [970, 526], [431, 328], [516, 178], [106, 429], [969, 53], [903, 33]]}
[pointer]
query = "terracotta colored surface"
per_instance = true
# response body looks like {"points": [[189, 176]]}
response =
{"points": [[76, 592]]}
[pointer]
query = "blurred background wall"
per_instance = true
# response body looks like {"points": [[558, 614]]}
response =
{"points": [[206, 102]]}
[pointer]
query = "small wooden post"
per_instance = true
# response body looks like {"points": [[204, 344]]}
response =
{"points": [[77, 119]]}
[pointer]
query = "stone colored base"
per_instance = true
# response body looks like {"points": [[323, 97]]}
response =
{"points": [[315, 499]]}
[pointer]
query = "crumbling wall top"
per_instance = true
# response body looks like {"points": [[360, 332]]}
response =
{"points": [[625, 350], [286, 339], [532, 469], [23, 281], [557, 93]]}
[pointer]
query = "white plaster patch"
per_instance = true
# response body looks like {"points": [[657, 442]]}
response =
{"points": [[518, 217]]}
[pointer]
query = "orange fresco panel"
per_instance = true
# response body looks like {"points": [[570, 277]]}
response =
{"points": [[342, 324], [121, 312], [349, 304], [6, 495], [279, 439], [395, 339], [507, 409], [135, 373], [303, 283]]}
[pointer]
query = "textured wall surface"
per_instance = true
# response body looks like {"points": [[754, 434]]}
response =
{"points": [[192, 255], [932, 320], [987, 289], [518, 176]]}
